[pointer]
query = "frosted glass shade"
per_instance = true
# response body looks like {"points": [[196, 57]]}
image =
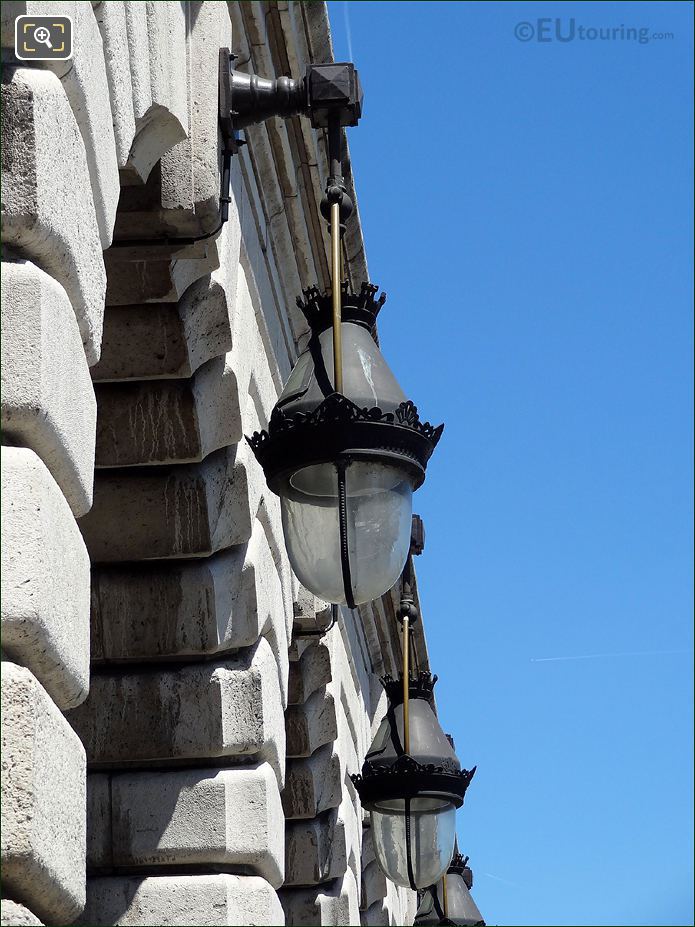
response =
{"points": [[432, 828], [378, 514], [461, 910]]}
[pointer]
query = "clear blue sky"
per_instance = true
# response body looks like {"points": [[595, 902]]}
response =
{"points": [[527, 208]]}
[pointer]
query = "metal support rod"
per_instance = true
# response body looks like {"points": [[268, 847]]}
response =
{"points": [[445, 896], [337, 308], [406, 685], [335, 193]]}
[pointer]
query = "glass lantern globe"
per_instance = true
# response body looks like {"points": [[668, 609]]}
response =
{"points": [[378, 513], [417, 831], [345, 465], [412, 798], [455, 906]]}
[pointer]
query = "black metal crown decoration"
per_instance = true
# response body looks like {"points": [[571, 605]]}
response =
{"points": [[361, 308], [419, 686]]}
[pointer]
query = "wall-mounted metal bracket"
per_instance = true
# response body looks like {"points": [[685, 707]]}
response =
{"points": [[326, 93]]}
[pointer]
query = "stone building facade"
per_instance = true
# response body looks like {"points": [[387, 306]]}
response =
{"points": [[177, 733]]}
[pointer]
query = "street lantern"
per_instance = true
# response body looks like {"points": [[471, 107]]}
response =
{"points": [[449, 902], [412, 783], [344, 448], [345, 461]]}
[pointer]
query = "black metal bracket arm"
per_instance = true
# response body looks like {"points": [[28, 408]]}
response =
{"points": [[407, 607], [329, 94]]}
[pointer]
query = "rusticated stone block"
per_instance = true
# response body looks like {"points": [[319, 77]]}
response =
{"points": [[45, 579], [309, 673], [16, 915], [397, 907], [83, 77], [142, 342], [310, 613], [368, 853], [111, 20], [226, 818], [315, 850], [188, 199], [333, 904], [99, 839], [168, 421], [166, 340], [43, 789], [159, 103], [48, 212], [194, 608], [157, 279], [185, 511], [374, 885], [181, 900], [48, 401], [378, 915], [205, 710], [185, 608], [314, 784], [311, 725]]}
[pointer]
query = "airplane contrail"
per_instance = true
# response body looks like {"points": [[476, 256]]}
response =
{"points": [[595, 656], [500, 879], [348, 30]]}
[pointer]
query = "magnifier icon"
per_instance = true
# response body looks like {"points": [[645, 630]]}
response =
{"points": [[42, 34]]}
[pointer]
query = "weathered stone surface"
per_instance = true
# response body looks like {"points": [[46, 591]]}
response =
{"points": [[47, 398], [16, 915], [159, 610], [162, 280], [269, 515], [350, 818], [397, 907], [333, 904], [311, 725], [374, 885], [84, 79], [227, 818], [159, 105], [188, 200], [99, 837], [205, 710], [184, 511], [155, 611], [43, 789], [48, 212], [164, 340], [315, 850], [142, 342], [378, 915], [182, 900], [166, 34], [192, 168], [368, 853], [176, 609], [168, 421], [314, 784], [45, 579], [309, 612], [111, 19], [309, 673]]}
